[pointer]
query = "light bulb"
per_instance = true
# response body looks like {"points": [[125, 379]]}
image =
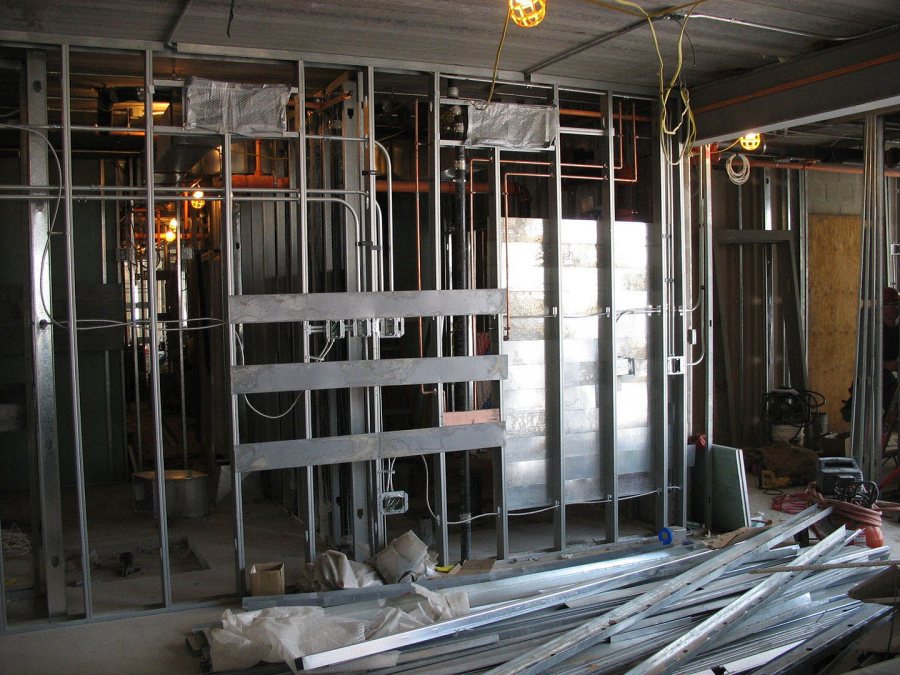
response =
{"points": [[173, 224], [750, 141], [197, 200], [170, 236], [527, 13]]}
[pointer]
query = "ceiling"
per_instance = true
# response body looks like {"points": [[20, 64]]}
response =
{"points": [[464, 34]]}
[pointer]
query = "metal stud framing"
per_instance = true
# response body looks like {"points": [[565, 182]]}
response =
{"points": [[376, 280]]}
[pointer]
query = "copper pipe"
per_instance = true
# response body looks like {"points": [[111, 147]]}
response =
{"points": [[574, 112], [258, 162], [621, 144], [410, 186], [262, 181], [788, 86], [634, 139], [815, 166]]}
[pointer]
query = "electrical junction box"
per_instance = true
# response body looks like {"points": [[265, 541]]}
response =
{"points": [[389, 328], [394, 502], [334, 330], [361, 328]]}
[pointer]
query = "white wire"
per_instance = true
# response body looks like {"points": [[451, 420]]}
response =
{"points": [[278, 416], [427, 497], [738, 177]]}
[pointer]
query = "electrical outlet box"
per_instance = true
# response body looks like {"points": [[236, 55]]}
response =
{"points": [[675, 365], [334, 330], [624, 366], [393, 503], [362, 328], [389, 327]]}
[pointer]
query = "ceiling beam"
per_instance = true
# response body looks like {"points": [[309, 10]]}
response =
{"points": [[170, 39], [853, 78]]}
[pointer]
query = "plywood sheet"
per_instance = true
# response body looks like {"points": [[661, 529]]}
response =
{"points": [[833, 293]]}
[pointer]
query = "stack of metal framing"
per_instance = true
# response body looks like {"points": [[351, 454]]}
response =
{"points": [[680, 609]]}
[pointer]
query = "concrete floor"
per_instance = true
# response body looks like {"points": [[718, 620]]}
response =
{"points": [[156, 643]]}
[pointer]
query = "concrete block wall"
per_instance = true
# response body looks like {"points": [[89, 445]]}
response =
{"points": [[835, 194]]}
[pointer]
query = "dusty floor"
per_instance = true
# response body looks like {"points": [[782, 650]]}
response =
{"points": [[155, 643]]}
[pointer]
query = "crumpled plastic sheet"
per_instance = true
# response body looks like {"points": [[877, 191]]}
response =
{"points": [[404, 559], [279, 634], [287, 633], [332, 570], [235, 107], [511, 125]]}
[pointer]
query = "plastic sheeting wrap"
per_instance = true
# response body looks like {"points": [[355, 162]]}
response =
{"points": [[287, 633], [508, 125], [234, 107]]}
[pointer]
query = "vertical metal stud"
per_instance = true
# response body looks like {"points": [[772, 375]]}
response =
{"points": [[610, 431], [308, 475], [705, 219], [682, 302], [659, 393], [558, 361], [155, 396], [376, 281], [43, 369], [434, 203], [500, 453], [73, 335], [229, 273]]}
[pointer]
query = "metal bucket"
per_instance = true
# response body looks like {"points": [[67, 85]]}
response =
{"points": [[186, 493]]}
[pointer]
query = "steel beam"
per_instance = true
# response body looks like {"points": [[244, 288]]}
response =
{"points": [[849, 79], [365, 447], [346, 374], [43, 389], [377, 304]]}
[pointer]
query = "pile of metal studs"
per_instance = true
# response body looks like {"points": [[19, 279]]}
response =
{"points": [[756, 605]]}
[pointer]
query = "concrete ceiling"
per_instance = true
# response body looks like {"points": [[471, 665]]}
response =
{"points": [[464, 34]]}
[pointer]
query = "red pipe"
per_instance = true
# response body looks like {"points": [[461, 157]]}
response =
{"points": [[815, 166]]}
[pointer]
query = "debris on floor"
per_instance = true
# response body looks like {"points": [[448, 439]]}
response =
{"points": [[647, 609], [782, 464]]}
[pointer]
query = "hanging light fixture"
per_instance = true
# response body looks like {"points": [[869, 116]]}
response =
{"points": [[197, 200], [170, 236], [527, 13], [173, 224], [750, 141]]}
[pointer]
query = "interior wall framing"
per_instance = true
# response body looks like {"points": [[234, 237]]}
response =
{"points": [[627, 417]]}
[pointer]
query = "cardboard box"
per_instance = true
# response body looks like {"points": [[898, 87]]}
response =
{"points": [[267, 579]]}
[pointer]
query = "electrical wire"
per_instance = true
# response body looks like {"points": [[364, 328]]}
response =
{"points": [[497, 58], [259, 412], [52, 223], [738, 176], [686, 118]]}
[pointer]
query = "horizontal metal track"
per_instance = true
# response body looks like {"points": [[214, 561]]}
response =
{"points": [[380, 373], [363, 447], [321, 306]]}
